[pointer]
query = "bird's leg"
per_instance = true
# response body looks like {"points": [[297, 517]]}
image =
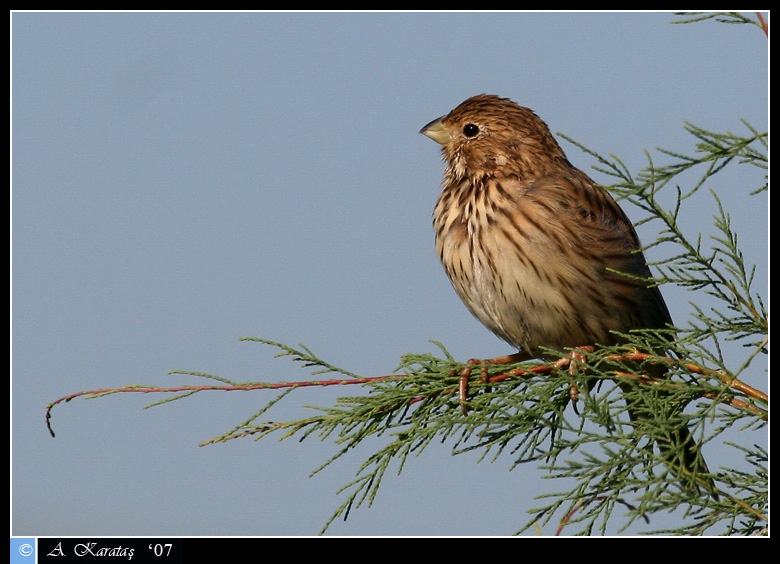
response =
{"points": [[574, 360], [465, 375]]}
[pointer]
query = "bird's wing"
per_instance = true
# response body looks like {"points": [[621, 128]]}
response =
{"points": [[578, 216]]}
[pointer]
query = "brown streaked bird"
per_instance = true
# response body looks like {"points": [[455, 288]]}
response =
{"points": [[533, 247]]}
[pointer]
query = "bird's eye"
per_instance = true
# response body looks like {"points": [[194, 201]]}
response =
{"points": [[470, 130]]}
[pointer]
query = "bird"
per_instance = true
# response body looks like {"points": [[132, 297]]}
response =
{"points": [[536, 250]]}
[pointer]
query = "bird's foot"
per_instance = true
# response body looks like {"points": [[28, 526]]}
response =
{"points": [[576, 359], [465, 375]]}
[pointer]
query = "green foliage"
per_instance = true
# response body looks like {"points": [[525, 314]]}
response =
{"points": [[604, 467], [722, 17], [524, 411]]}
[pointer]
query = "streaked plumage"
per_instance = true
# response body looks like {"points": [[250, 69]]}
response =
{"points": [[532, 246]]}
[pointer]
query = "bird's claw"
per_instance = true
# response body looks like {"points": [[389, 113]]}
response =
{"points": [[575, 359], [465, 374]]}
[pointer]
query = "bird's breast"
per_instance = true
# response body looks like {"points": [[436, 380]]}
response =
{"points": [[494, 266]]}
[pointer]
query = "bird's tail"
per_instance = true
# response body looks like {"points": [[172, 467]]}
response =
{"points": [[680, 451], [683, 454]]}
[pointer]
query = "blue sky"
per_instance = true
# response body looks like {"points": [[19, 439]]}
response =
{"points": [[181, 180]]}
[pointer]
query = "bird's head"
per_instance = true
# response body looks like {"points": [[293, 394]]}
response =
{"points": [[486, 133]]}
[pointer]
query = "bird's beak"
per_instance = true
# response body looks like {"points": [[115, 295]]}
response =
{"points": [[436, 131]]}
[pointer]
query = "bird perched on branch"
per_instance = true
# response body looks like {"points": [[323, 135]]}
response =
{"points": [[538, 253]]}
